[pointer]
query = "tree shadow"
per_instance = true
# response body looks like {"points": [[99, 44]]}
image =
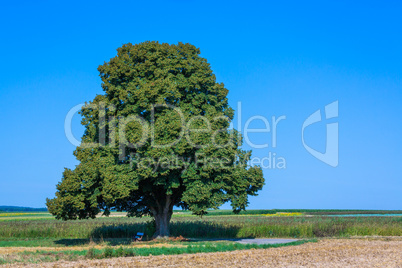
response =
{"points": [[122, 234], [72, 242], [86, 242]]}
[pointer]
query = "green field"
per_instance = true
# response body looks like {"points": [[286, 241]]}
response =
{"points": [[113, 234], [218, 224]]}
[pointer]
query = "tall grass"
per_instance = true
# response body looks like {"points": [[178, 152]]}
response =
{"points": [[242, 227], [212, 227]]}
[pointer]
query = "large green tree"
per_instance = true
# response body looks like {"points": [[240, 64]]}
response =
{"points": [[159, 137]]}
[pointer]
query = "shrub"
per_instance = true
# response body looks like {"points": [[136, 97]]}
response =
{"points": [[120, 252], [108, 252]]}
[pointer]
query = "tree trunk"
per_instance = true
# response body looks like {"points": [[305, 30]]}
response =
{"points": [[162, 225], [162, 215]]}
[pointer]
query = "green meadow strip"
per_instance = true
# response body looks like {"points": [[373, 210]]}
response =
{"points": [[110, 252]]}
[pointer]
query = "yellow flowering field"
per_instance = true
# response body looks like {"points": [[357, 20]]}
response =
{"points": [[13, 214], [284, 214], [19, 214]]}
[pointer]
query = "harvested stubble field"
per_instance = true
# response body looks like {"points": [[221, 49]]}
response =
{"points": [[369, 252]]}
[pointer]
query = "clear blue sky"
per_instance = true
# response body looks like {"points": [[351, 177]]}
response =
{"points": [[286, 59]]}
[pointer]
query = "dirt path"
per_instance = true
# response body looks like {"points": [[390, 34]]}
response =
{"points": [[260, 241], [325, 253]]}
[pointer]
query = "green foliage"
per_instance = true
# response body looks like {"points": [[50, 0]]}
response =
{"points": [[108, 252], [159, 137], [120, 252]]}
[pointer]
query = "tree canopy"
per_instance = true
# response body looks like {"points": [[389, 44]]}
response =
{"points": [[158, 137]]}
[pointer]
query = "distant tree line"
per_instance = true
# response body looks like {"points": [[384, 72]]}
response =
{"points": [[21, 209]]}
